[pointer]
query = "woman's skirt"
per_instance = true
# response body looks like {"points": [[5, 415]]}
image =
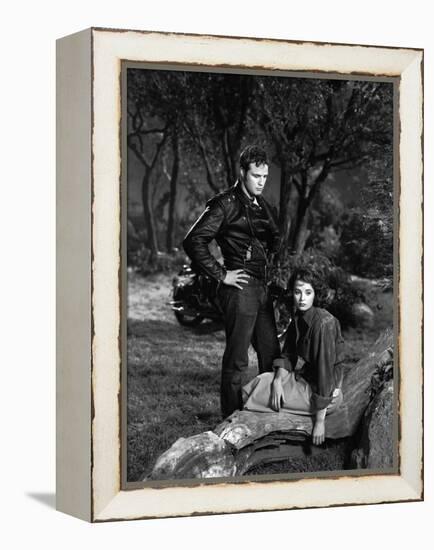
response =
{"points": [[297, 394]]}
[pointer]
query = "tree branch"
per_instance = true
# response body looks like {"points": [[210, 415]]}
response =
{"points": [[132, 145], [297, 184]]}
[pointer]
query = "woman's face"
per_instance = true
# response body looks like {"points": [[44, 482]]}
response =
{"points": [[304, 295]]}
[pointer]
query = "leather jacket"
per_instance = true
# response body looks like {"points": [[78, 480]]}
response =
{"points": [[314, 337], [246, 234]]}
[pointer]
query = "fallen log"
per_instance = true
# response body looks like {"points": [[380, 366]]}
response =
{"points": [[246, 438]]}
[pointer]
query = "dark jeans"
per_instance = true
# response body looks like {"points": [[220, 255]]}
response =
{"points": [[249, 318]]}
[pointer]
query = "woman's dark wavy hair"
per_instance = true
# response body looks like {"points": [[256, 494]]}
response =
{"points": [[317, 279]]}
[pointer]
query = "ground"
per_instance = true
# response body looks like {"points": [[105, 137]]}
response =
{"points": [[174, 376]]}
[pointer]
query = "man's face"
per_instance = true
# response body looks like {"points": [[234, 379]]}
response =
{"points": [[254, 179]]}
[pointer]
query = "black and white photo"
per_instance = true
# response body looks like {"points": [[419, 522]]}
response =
{"points": [[260, 259]]}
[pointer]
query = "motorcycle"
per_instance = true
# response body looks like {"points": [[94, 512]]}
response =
{"points": [[194, 298]]}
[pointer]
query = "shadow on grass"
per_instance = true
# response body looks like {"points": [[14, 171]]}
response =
{"points": [[208, 327], [138, 329]]}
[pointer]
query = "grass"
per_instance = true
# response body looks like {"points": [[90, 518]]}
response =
{"points": [[173, 381]]}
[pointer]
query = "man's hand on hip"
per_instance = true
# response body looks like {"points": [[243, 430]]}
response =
{"points": [[236, 278]]}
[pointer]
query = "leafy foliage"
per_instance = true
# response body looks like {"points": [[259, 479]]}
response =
{"points": [[319, 127], [367, 234], [367, 245], [338, 295], [142, 260]]}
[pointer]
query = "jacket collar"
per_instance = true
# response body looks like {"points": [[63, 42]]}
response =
{"points": [[307, 316], [244, 198]]}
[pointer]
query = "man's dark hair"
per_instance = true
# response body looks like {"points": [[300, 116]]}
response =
{"points": [[252, 154]]}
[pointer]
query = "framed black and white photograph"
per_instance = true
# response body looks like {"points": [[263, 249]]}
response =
{"points": [[240, 324]]}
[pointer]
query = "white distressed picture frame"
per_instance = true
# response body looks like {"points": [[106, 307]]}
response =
{"points": [[89, 265]]}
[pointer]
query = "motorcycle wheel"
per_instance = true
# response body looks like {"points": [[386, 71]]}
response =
{"points": [[188, 320]]}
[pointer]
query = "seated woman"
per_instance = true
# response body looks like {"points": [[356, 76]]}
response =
{"points": [[307, 376]]}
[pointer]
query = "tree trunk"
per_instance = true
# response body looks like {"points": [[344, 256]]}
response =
{"points": [[148, 215], [173, 192], [234, 163], [297, 238], [227, 155], [308, 192], [284, 217], [210, 176], [301, 233]]}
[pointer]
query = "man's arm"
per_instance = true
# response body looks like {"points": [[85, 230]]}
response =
{"points": [[324, 357], [201, 234], [198, 238]]}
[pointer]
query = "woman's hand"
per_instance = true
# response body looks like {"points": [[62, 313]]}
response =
{"points": [[318, 432], [277, 399]]}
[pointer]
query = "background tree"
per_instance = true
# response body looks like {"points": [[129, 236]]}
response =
{"points": [[173, 178], [187, 128], [216, 118], [319, 127], [157, 108], [147, 133], [367, 233], [202, 115]]}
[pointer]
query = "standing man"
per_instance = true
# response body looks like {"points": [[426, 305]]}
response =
{"points": [[240, 220]]}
